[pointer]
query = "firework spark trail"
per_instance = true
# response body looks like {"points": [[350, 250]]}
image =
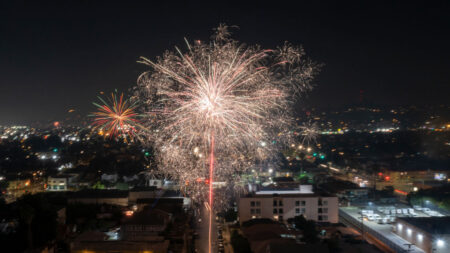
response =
{"points": [[309, 132], [220, 100], [118, 117], [211, 174]]}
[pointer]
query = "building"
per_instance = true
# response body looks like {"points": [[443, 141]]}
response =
{"points": [[431, 234], [57, 183], [285, 204], [143, 193], [19, 187], [412, 180], [144, 225], [98, 197], [99, 242]]}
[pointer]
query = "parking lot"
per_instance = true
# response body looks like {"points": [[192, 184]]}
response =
{"points": [[387, 214], [376, 228]]}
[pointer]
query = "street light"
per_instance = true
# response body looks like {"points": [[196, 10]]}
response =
{"points": [[440, 243], [419, 237]]}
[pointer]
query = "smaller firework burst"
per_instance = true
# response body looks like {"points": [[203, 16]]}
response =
{"points": [[309, 132], [116, 117]]}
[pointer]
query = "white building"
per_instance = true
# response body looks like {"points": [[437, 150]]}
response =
{"points": [[57, 183], [282, 205]]}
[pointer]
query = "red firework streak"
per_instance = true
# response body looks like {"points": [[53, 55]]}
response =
{"points": [[118, 117], [211, 171]]}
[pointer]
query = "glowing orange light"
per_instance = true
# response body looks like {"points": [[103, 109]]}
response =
{"points": [[387, 178], [400, 192], [56, 124], [380, 174]]}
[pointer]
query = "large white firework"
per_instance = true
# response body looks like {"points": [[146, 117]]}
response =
{"points": [[221, 102]]}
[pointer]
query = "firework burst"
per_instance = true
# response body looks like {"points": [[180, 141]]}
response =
{"points": [[116, 117], [216, 108], [309, 132]]}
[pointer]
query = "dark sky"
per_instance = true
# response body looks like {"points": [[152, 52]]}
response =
{"points": [[57, 55]]}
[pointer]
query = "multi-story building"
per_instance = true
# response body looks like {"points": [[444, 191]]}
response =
{"points": [[285, 204], [57, 183]]}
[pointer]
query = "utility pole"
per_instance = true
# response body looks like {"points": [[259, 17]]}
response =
{"points": [[362, 224]]}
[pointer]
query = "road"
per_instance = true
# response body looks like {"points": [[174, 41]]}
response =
{"points": [[202, 242]]}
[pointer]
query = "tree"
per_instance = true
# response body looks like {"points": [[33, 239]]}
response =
{"points": [[26, 214], [239, 243], [307, 226]]}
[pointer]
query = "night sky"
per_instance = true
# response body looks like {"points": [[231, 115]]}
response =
{"points": [[56, 56]]}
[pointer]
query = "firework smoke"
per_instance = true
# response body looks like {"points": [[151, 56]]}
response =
{"points": [[220, 104]]}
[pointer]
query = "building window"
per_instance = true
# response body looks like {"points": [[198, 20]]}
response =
{"points": [[280, 210], [252, 203], [280, 203], [320, 210], [325, 210], [303, 210], [297, 210], [320, 202], [252, 211], [274, 203], [325, 203], [275, 211], [324, 217], [297, 203], [258, 211], [303, 203], [258, 203]]}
